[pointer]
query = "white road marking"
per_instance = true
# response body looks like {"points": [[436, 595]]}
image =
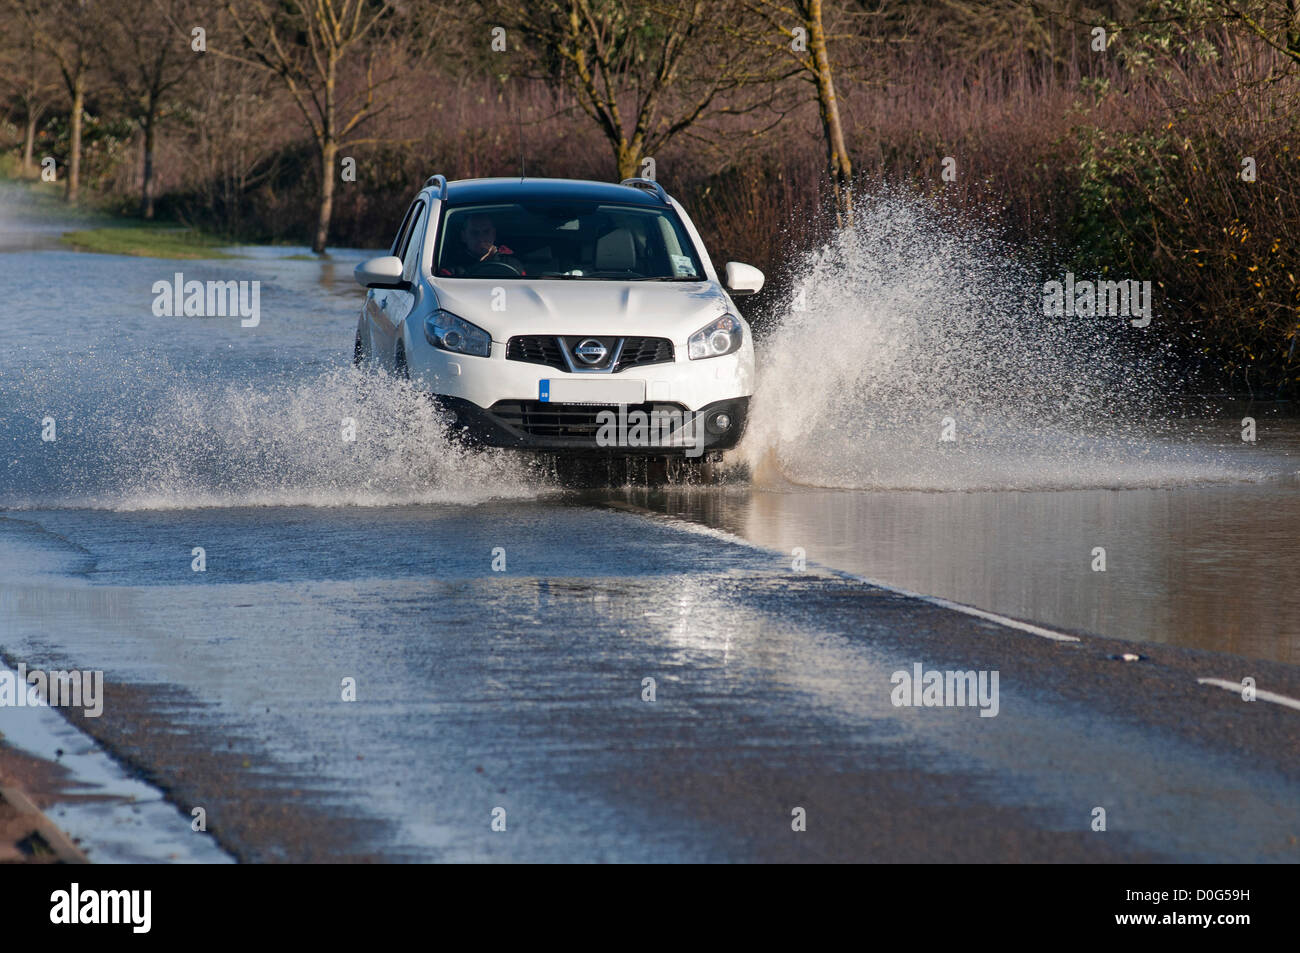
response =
{"points": [[1273, 697], [980, 613], [933, 600]]}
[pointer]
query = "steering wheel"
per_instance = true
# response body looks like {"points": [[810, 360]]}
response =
{"points": [[486, 269]]}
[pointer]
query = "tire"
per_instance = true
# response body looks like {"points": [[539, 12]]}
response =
{"points": [[358, 353], [600, 472], [705, 470]]}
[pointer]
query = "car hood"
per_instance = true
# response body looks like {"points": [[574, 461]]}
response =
{"points": [[668, 309]]}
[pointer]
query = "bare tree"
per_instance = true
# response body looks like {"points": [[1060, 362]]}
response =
{"points": [[235, 139], [643, 72], [28, 76], [313, 47], [144, 60], [800, 25], [62, 29]]}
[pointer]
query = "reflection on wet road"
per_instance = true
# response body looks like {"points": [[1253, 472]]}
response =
{"points": [[525, 690], [1210, 566]]}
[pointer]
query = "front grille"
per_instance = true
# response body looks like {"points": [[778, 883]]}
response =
{"points": [[545, 349], [536, 349], [641, 351], [543, 419]]}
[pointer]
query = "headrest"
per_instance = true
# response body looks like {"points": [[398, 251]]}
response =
{"points": [[616, 251]]}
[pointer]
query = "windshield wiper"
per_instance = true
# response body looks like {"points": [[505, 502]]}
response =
{"points": [[666, 278]]}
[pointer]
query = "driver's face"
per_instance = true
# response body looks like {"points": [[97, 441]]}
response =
{"points": [[480, 235]]}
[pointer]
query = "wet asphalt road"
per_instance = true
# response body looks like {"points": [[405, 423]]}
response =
{"points": [[523, 690]]}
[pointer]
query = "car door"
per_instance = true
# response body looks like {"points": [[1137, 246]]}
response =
{"points": [[388, 306]]}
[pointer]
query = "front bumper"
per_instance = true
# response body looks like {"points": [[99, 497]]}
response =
{"points": [[659, 428], [487, 381]]}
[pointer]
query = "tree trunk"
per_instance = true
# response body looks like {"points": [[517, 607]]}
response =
{"points": [[626, 159], [29, 142], [74, 160], [146, 186], [837, 155], [328, 154]]}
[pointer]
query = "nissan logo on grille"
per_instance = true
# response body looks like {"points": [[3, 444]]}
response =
{"points": [[590, 351]]}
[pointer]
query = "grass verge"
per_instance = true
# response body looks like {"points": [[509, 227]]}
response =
{"points": [[148, 242]]}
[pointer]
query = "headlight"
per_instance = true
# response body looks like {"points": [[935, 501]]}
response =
{"points": [[723, 336], [451, 333]]}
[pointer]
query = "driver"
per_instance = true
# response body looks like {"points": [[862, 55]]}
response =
{"points": [[478, 245]]}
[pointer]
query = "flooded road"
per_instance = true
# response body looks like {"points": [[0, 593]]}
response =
{"points": [[499, 629], [525, 690], [1210, 566]]}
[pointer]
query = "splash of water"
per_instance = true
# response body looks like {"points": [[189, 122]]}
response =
{"points": [[908, 321], [907, 329], [142, 434]]}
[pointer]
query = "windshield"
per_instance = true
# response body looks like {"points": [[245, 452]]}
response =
{"points": [[565, 241]]}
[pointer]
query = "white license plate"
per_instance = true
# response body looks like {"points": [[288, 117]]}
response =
{"points": [[605, 391]]}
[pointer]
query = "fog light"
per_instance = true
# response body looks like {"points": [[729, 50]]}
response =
{"points": [[720, 423]]}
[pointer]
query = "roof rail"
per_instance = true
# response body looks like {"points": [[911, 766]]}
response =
{"points": [[647, 185], [441, 182]]}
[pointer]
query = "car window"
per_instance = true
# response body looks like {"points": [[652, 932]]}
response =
{"points": [[565, 240], [408, 229], [412, 249], [401, 231], [400, 237]]}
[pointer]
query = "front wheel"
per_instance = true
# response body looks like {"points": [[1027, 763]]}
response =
{"points": [[704, 470]]}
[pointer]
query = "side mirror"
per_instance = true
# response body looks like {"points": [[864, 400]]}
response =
{"points": [[382, 272], [743, 279]]}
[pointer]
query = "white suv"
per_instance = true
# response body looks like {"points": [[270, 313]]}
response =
{"points": [[560, 315]]}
